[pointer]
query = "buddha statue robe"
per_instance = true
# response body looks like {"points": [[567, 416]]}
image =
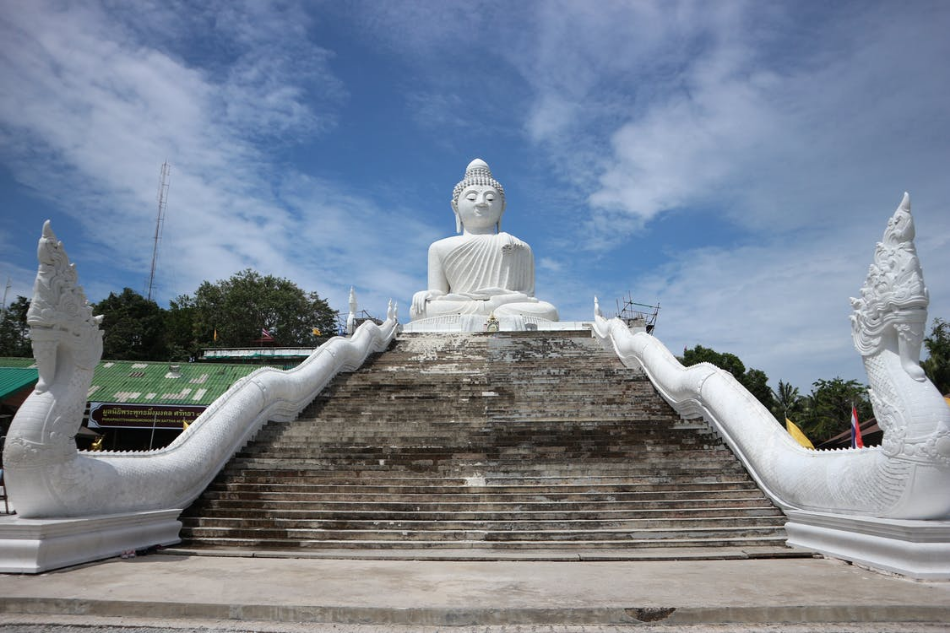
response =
{"points": [[485, 274]]}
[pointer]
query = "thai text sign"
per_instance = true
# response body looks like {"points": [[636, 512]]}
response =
{"points": [[115, 415]]}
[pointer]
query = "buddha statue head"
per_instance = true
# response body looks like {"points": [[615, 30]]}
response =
{"points": [[478, 200]]}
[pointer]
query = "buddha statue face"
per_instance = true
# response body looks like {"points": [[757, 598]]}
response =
{"points": [[479, 200], [479, 208]]}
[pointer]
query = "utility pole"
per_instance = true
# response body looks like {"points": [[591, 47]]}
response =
{"points": [[163, 183]]}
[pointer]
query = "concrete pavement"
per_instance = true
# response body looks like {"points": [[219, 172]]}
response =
{"points": [[459, 593]]}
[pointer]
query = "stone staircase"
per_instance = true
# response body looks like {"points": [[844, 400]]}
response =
{"points": [[512, 441]]}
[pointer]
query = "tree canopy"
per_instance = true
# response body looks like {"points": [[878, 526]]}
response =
{"points": [[238, 309], [937, 365], [826, 411], [133, 327], [14, 332], [232, 312]]}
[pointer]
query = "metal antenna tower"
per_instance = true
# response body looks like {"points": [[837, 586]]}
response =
{"points": [[3, 306], [163, 183]]}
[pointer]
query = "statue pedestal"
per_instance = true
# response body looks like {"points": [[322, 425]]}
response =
{"points": [[456, 323], [916, 549], [32, 546]]}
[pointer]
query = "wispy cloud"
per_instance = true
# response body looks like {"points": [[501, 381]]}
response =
{"points": [[104, 104]]}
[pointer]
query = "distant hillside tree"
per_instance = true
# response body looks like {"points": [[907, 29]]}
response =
{"points": [[182, 332], [754, 380], [14, 332], [937, 365], [239, 308], [133, 327]]}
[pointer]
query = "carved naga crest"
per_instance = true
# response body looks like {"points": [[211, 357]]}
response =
{"points": [[893, 299], [59, 313]]}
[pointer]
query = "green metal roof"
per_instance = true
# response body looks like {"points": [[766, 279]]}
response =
{"points": [[155, 383], [13, 379], [17, 361]]}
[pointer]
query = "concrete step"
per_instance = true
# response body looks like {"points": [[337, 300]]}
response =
{"points": [[437, 505], [269, 484], [494, 525], [294, 513], [293, 543], [590, 535]]}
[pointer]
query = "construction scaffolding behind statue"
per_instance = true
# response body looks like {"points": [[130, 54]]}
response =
{"points": [[637, 315]]}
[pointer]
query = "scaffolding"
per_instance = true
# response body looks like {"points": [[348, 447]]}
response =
{"points": [[637, 314], [361, 317]]}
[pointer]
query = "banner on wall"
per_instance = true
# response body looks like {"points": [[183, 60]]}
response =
{"points": [[116, 415]]}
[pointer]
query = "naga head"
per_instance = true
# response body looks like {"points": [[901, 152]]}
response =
{"points": [[892, 310], [60, 317]]}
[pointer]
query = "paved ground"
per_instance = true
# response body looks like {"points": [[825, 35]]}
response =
{"points": [[369, 596]]}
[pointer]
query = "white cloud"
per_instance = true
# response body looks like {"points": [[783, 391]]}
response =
{"points": [[103, 110]]}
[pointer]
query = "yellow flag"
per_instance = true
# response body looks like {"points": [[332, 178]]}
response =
{"points": [[185, 424], [796, 432], [216, 334], [316, 331]]}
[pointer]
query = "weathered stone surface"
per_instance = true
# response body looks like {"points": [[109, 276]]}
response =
{"points": [[521, 440]]}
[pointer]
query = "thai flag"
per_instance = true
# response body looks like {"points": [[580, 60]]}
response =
{"points": [[266, 335], [855, 429]]}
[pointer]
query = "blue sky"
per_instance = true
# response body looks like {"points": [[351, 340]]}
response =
{"points": [[735, 161]]}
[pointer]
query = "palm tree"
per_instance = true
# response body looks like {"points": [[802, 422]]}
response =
{"points": [[787, 399]]}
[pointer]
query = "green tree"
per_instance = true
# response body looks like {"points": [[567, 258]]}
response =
{"points": [[237, 309], [182, 334], [827, 409], [937, 364], [754, 380], [788, 402], [133, 327], [14, 332]]}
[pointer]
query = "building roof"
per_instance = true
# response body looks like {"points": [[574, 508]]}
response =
{"points": [[17, 361], [164, 383], [14, 379]]}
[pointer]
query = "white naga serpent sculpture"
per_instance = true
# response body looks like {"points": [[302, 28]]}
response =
{"points": [[48, 478], [907, 477]]}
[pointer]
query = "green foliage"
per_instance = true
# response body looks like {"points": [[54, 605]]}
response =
{"points": [[240, 307], [133, 327], [14, 332], [789, 403], [937, 365], [754, 380], [827, 410], [181, 330]]}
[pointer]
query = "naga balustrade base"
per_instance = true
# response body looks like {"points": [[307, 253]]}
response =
{"points": [[32, 546], [916, 549]]}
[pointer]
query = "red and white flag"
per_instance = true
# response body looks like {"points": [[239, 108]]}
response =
{"points": [[855, 429], [265, 335]]}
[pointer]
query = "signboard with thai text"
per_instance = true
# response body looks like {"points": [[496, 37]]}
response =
{"points": [[115, 415]]}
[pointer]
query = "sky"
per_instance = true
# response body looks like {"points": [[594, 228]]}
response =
{"points": [[735, 162]]}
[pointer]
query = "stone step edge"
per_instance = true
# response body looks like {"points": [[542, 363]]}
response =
{"points": [[739, 541], [541, 553]]}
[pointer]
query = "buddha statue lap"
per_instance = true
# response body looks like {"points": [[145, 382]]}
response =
{"points": [[482, 271]]}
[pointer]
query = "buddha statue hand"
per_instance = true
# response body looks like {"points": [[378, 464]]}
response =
{"points": [[419, 301]]}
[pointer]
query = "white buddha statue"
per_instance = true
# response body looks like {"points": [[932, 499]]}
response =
{"points": [[481, 271]]}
